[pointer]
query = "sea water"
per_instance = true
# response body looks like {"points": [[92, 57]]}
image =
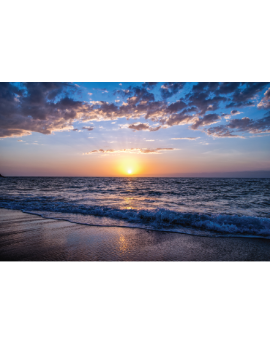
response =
{"points": [[196, 206]]}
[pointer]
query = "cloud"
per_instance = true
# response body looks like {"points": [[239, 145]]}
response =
{"points": [[43, 108], [241, 125], [188, 138], [178, 119], [228, 87], [141, 94], [56, 110], [222, 132], [122, 93], [208, 96], [49, 107], [132, 150], [265, 101], [204, 101], [117, 100], [22, 141], [245, 94], [176, 106], [235, 112], [205, 120], [88, 128], [208, 86], [170, 89], [238, 94], [138, 126], [13, 133], [249, 125]]}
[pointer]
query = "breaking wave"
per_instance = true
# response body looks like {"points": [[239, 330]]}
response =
{"points": [[159, 219], [205, 207]]}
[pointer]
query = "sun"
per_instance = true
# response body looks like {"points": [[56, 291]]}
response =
{"points": [[129, 171]]}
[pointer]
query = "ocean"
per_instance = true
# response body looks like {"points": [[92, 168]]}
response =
{"points": [[215, 207]]}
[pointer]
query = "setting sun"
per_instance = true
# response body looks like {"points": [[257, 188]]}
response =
{"points": [[129, 171]]}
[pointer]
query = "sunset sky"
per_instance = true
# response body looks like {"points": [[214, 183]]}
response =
{"points": [[143, 129]]}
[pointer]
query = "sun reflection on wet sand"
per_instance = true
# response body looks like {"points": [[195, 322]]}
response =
{"points": [[122, 242]]}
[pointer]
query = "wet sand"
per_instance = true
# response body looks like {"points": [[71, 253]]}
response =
{"points": [[25, 237]]}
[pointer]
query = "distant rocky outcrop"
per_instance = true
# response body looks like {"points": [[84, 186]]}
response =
{"points": [[1, 175]]}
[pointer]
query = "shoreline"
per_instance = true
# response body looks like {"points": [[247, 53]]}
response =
{"points": [[28, 237], [177, 231]]}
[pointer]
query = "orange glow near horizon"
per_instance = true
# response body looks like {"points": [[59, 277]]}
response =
{"points": [[49, 161], [128, 166]]}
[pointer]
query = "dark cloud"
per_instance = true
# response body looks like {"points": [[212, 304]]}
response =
{"points": [[203, 101], [105, 109], [241, 125], [176, 107], [48, 107], [122, 93], [221, 132], [142, 127], [227, 88], [142, 94], [249, 125], [157, 150], [170, 89], [178, 119], [235, 94], [203, 98], [38, 107], [181, 118], [205, 120], [233, 112], [245, 96], [265, 101], [132, 108], [88, 128], [200, 87]]}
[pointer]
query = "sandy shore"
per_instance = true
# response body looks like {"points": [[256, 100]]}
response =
{"points": [[25, 237]]}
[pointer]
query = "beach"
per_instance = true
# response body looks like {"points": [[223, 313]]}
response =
{"points": [[26, 237]]}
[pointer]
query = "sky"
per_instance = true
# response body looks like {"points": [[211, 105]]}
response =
{"points": [[134, 129]]}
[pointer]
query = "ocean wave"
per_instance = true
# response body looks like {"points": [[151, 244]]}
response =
{"points": [[155, 219]]}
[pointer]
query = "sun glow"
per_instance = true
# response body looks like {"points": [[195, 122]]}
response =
{"points": [[128, 165]]}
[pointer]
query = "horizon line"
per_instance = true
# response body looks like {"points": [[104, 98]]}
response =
{"points": [[229, 174]]}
